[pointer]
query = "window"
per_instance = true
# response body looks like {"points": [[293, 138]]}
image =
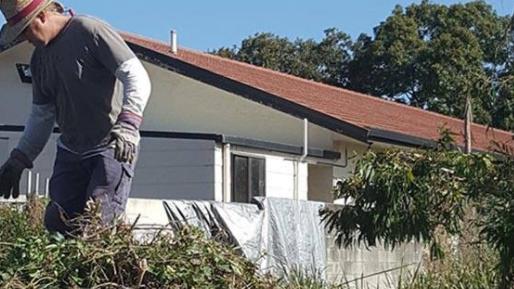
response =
{"points": [[248, 178], [24, 72]]}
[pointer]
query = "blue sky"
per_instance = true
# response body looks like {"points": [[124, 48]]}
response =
{"points": [[207, 24]]}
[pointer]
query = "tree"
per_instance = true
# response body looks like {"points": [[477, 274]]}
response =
{"points": [[433, 56], [399, 196], [325, 61]]}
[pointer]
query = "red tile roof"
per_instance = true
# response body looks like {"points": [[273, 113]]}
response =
{"points": [[356, 108]]}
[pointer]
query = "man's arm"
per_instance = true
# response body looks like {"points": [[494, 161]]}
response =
{"points": [[136, 91], [112, 51], [38, 129], [37, 132]]}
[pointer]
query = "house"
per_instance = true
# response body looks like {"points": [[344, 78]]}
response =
{"points": [[217, 129]]}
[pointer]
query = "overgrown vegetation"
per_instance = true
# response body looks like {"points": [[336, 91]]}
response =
{"points": [[400, 195], [471, 268], [110, 257]]}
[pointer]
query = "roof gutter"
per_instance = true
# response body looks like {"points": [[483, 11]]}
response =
{"points": [[396, 138]]}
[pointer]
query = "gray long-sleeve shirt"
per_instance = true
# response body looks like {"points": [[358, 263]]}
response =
{"points": [[83, 80]]}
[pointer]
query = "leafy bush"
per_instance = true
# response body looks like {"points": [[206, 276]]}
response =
{"points": [[110, 257], [472, 268], [399, 196]]}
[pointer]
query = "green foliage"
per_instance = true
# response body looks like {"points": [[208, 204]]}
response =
{"points": [[497, 215], [324, 61], [16, 223], [298, 278], [110, 257], [472, 270], [102, 256], [400, 196], [433, 56]]}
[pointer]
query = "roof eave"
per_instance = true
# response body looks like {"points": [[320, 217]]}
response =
{"points": [[249, 92], [361, 134], [396, 138]]}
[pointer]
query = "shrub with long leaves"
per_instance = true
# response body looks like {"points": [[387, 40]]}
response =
{"points": [[399, 196]]}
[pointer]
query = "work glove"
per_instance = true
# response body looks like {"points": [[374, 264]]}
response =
{"points": [[126, 138], [10, 174]]}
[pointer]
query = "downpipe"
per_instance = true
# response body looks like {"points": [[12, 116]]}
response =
{"points": [[301, 160]]}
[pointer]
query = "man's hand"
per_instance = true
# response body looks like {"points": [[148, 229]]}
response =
{"points": [[126, 138], [10, 174]]}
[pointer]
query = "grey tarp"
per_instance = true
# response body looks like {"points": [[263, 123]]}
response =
{"points": [[278, 234]]}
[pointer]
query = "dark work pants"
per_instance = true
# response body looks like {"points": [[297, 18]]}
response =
{"points": [[77, 179]]}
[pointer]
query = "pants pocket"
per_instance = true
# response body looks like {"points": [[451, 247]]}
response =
{"points": [[122, 190]]}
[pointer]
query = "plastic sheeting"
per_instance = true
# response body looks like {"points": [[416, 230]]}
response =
{"points": [[277, 234]]}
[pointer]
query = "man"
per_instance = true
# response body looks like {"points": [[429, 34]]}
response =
{"points": [[86, 79]]}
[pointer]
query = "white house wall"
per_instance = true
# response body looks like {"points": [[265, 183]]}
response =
{"points": [[354, 150], [15, 96], [182, 104], [179, 103]]}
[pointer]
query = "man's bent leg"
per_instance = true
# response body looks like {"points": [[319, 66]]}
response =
{"points": [[68, 187], [110, 185]]}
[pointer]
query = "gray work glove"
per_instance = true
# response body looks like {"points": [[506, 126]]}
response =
{"points": [[10, 174], [126, 139]]}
